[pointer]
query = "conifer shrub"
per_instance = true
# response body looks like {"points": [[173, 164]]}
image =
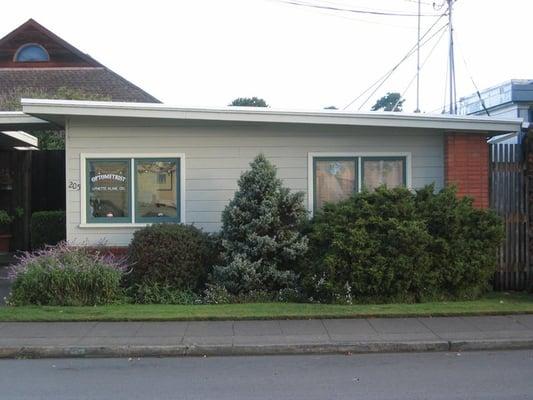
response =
{"points": [[173, 255], [260, 237], [398, 245]]}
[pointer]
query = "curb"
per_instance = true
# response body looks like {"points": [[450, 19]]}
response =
{"points": [[32, 352]]}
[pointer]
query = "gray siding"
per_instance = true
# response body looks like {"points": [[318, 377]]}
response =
{"points": [[216, 155]]}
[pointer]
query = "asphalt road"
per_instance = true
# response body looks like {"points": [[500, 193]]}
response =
{"points": [[473, 375]]}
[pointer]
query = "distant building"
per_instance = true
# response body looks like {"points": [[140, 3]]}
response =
{"points": [[35, 62], [513, 99]]}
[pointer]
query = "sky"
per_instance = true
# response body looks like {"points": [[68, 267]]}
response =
{"points": [[208, 52]]}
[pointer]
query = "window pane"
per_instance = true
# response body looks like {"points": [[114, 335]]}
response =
{"points": [[156, 189], [389, 172], [109, 188], [32, 52], [335, 180]]}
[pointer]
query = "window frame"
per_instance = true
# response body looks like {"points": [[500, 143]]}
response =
{"points": [[178, 187], [83, 179], [311, 156]]}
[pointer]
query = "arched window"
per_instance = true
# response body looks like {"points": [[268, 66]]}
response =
{"points": [[31, 52]]}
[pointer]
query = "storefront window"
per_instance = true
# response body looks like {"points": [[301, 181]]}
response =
{"points": [[156, 190], [108, 190]]}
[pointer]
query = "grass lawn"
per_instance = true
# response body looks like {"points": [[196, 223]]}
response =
{"points": [[492, 304]]}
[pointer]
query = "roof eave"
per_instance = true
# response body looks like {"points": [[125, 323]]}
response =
{"points": [[56, 110]]}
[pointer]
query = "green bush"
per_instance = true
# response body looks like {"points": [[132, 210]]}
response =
{"points": [[260, 234], [155, 293], [173, 255], [66, 276], [47, 228], [395, 245]]}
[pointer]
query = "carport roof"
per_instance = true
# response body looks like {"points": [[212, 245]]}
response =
{"points": [[17, 120], [17, 139]]}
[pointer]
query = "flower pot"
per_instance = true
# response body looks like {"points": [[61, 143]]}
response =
{"points": [[4, 243]]}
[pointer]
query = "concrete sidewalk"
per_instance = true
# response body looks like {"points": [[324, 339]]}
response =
{"points": [[142, 339]]}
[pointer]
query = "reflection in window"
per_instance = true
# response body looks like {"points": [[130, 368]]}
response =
{"points": [[108, 183], [388, 171], [31, 53], [156, 197], [335, 180]]}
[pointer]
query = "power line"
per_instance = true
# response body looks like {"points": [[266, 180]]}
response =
{"points": [[421, 66], [355, 11], [481, 101], [383, 78]]}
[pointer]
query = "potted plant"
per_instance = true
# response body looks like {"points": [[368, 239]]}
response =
{"points": [[5, 231]]}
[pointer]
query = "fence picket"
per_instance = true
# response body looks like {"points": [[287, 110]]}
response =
{"points": [[509, 198]]}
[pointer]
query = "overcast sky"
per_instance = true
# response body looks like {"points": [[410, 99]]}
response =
{"points": [[208, 52]]}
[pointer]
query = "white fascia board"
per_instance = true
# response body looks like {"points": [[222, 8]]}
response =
{"points": [[44, 107], [23, 137]]}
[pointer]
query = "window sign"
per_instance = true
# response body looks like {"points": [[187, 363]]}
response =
{"points": [[109, 190]]}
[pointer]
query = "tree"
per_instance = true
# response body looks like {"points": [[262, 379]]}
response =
{"points": [[388, 102], [249, 102], [330, 108], [261, 239]]}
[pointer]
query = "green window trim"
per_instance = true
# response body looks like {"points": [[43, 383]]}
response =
{"points": [[107, 220], [175, 219], [359, 162], [132, 208]]}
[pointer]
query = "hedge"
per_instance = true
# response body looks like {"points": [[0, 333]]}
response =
{"points": [[47, 228]]}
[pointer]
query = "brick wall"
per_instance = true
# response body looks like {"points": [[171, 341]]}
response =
{"points": [[466, 161]]}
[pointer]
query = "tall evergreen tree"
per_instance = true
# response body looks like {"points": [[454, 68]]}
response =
{"points": [[260, 233]]}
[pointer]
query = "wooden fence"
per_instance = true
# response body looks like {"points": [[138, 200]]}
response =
{"points": [[509, 197], [48, 180]]}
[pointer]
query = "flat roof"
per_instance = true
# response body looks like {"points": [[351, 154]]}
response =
{"points": [[17, 120], [18, 139], [58, 110]]}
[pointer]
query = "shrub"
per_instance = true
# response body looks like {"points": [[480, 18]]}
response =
{"points": [[171, 255], [260, 234], [155, 293], [395, 245], [47, 228], [66, 276]]}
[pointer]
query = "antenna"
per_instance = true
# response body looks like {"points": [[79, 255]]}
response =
{"points": [[418, 61], [453, 92]]}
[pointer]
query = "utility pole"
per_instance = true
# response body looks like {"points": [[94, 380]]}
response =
{"points": [[453, 93], [418, 62]]}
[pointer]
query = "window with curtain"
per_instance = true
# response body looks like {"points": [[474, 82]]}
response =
{"points": [[388, 171], [336, 178]]}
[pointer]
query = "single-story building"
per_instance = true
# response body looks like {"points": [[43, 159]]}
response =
{"points": [[132, 164]]}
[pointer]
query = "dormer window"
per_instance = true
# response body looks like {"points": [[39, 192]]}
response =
{"points": [[31, 52]]}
